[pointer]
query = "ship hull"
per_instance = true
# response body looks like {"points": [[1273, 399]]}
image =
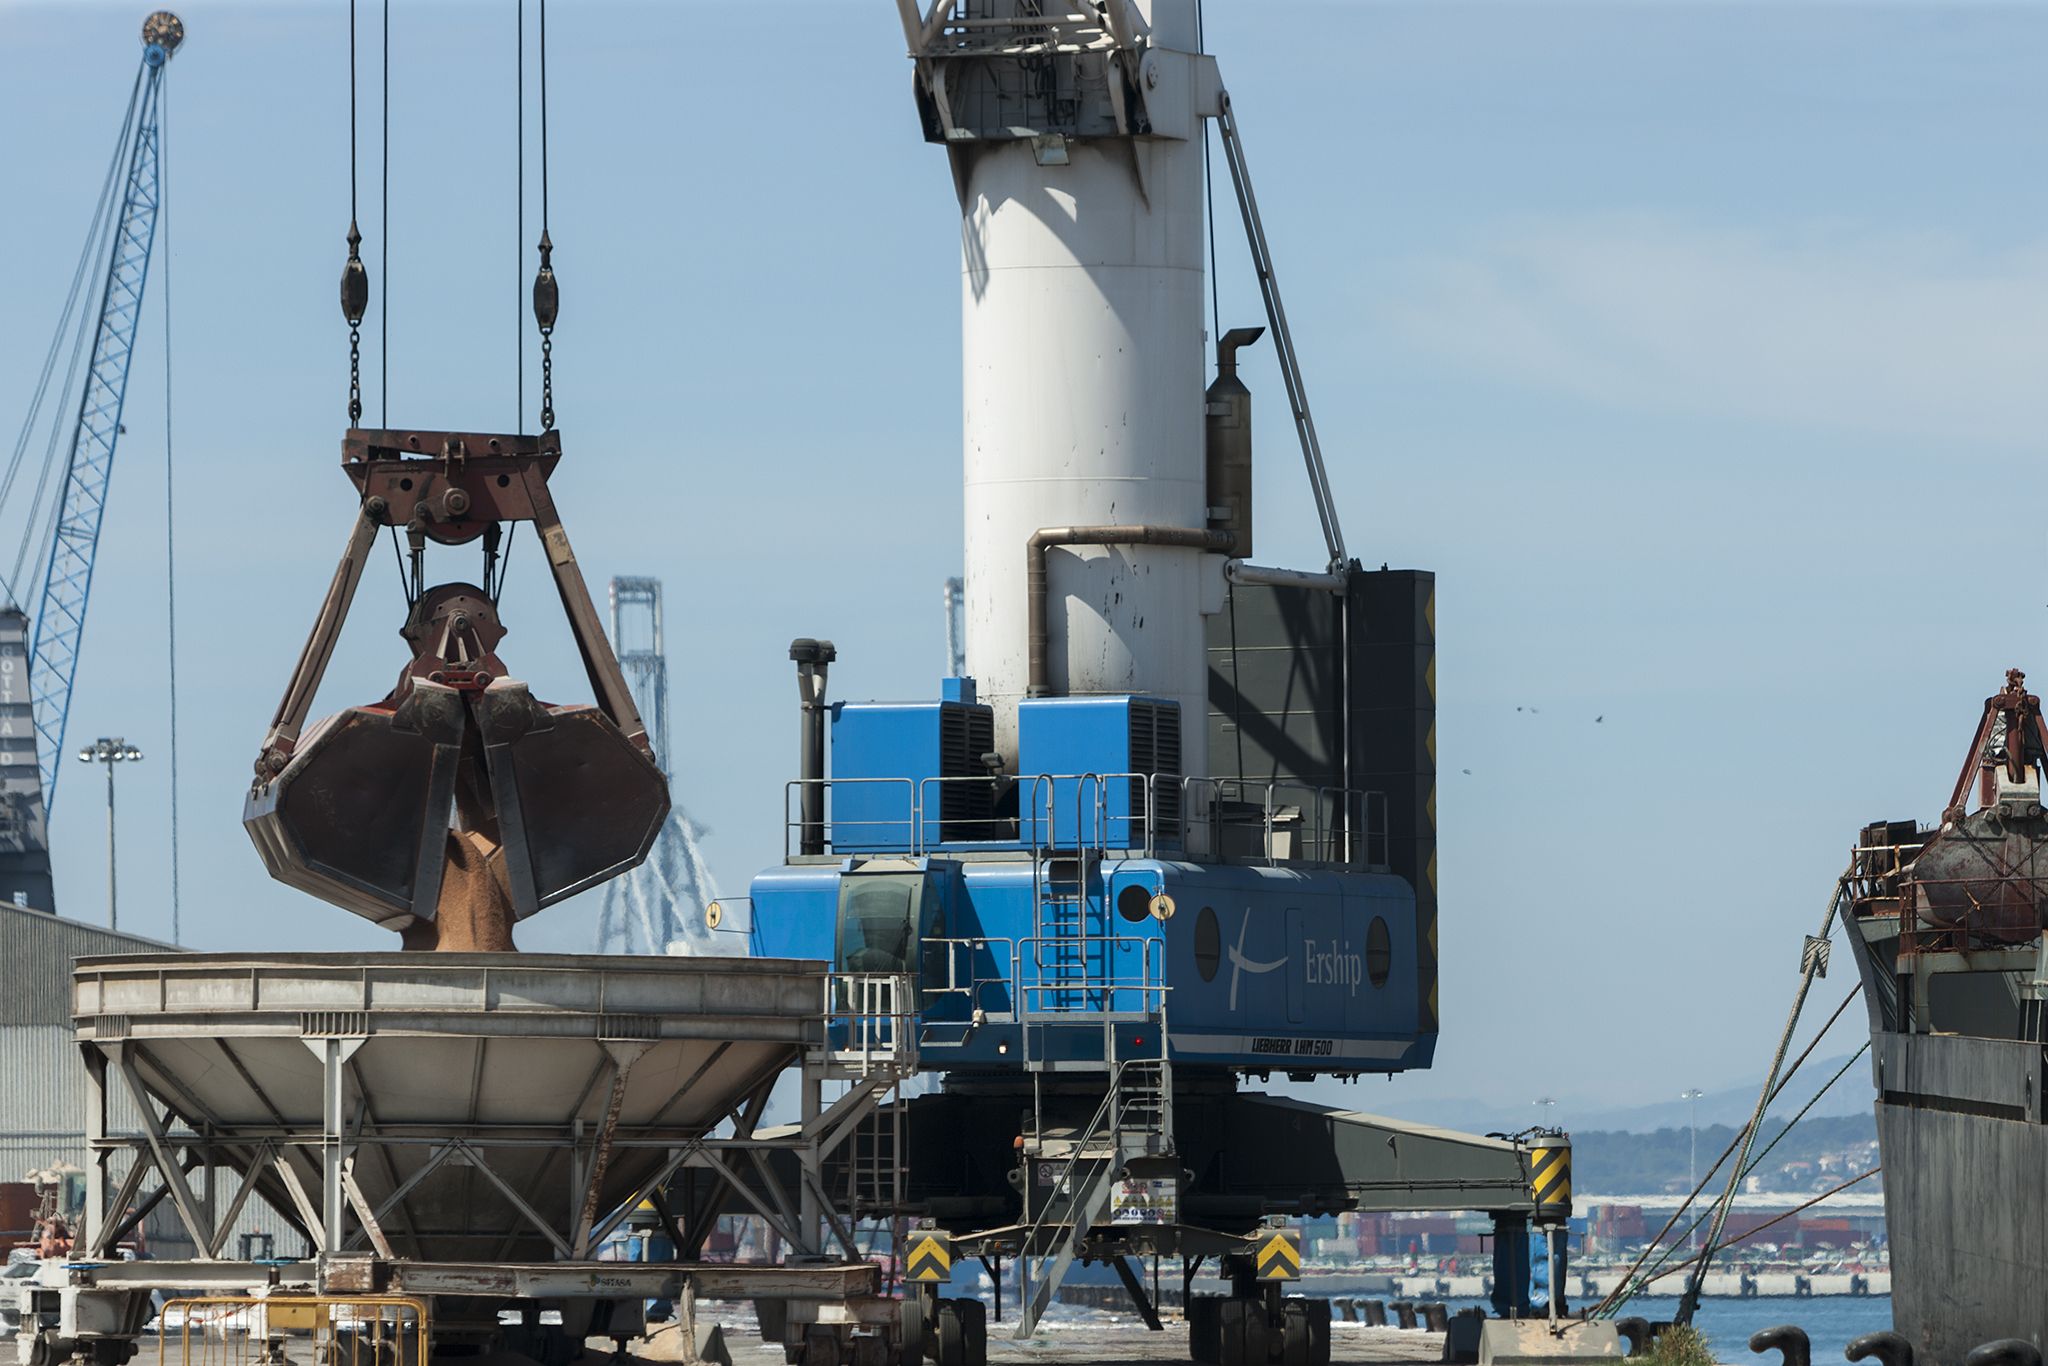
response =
{"points": [[1962, 1127], [1964, 1211]]}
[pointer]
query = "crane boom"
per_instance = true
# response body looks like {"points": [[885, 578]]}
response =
{"points": [[67, 584]]}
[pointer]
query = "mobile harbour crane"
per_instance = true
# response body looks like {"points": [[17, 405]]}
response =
{"points": [[1175, 825]]}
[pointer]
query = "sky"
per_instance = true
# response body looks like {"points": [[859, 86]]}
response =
{"points": [[1697, 348]]}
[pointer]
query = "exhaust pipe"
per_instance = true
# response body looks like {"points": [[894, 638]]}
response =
{"points": [[813, 659]]}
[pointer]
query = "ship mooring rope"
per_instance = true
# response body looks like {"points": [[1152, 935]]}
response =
{"points": [[1801, 1208], [1631, 1285], [1620, 1294], [1813, 963]]}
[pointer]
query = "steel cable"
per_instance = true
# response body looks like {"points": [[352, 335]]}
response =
{"points": [[1800, 1208], [384, 209], [519, 231], [95, 232], [98, 235], [1783, 1082], [1632, 1285], [170, 491]]}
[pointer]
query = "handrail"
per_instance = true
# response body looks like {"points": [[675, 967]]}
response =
{"points": [[875, 1009], [1330, 824]]}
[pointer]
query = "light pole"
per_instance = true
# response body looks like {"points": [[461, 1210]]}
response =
{"points": [[1691, 1096], [110, 752]]}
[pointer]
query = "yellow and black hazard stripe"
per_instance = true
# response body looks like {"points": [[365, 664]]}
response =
{"points": [[1550, 1179], [1279, 1256], [931, 1256]]}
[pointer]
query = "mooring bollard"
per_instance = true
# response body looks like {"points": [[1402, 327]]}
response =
{"points": [[1637, 1330], [1786, 1338], [1345, 1308], [1374, 1312], [1404, 1313], [1891, 1349], [2004, 1352]]}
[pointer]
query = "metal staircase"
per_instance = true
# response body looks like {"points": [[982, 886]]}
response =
{"points": [[1065, 953], [875, 1158], [870, 1042], [1068, 982]]}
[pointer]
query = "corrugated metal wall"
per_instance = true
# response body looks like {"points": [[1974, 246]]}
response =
{"points": [[43, 1081], [42, 1086], [36, 950]]}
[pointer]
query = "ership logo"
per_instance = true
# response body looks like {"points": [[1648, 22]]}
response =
{"points": [[1239, 964]]}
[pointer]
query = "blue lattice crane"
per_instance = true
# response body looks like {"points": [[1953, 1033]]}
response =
{"points": [[39, 662]]}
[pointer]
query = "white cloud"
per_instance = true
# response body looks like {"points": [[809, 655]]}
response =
{"points": [[1832, 328]]}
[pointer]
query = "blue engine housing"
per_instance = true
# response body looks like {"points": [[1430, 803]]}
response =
{"points": [[1294, 969]]}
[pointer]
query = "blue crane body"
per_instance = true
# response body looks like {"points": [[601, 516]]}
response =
{"points": [[1273, 917], [1269, 968]]}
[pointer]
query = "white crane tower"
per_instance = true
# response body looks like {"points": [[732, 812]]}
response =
{"points": [[659, 906]]}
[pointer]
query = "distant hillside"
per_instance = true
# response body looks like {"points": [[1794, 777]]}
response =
{"points": [[1819, 1154], [1730, 1104]]}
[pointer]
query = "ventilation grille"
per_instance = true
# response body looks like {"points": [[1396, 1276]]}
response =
{"points": [[332, 1023], [628, 1027], [966, 809], [1155, 750]]}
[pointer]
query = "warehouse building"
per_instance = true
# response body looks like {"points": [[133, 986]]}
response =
{"points": [[43, 1086]]}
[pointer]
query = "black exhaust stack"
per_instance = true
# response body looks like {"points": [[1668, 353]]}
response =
{"points": [[813, 660]]}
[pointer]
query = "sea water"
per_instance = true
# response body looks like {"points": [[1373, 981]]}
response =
{"points": [[1830, 1321]]}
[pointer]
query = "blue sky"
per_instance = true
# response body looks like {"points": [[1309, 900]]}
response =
{"points": [[1698, 348]]}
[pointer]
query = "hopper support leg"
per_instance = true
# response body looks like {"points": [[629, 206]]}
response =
{"points": [[622, 1056], [160, 1148], [334, 1053], [95, 1143], [1147, 1310]]}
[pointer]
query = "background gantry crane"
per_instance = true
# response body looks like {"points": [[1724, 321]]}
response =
{"points": [[659, 906], [64, 536]]}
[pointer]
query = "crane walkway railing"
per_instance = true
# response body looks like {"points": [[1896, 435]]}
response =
{"points": [[1220, 820]]}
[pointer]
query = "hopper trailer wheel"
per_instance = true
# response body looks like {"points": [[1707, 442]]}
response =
{"points": [[962, 1333], [974, 1327], [1247, 1339], [1305, 1332], [821, 1347], [914, 1333], [952, 1334], [1205, 1330]]}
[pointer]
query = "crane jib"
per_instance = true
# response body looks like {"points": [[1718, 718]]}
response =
{"points": [[67, 583]]}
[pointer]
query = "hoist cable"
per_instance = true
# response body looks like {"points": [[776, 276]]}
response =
{"points": [[384, 194], [519, 229], [543, 116], [352, 110], [355, 285], [163, 202], [404, 575], [95, 230], [545, 296], [51, 464]]}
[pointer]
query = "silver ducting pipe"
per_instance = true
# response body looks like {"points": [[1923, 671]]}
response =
{"points": [[1035, 575], [1237, 571]]}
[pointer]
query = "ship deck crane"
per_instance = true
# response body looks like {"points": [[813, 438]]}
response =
{"points": [[39, 656]]}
